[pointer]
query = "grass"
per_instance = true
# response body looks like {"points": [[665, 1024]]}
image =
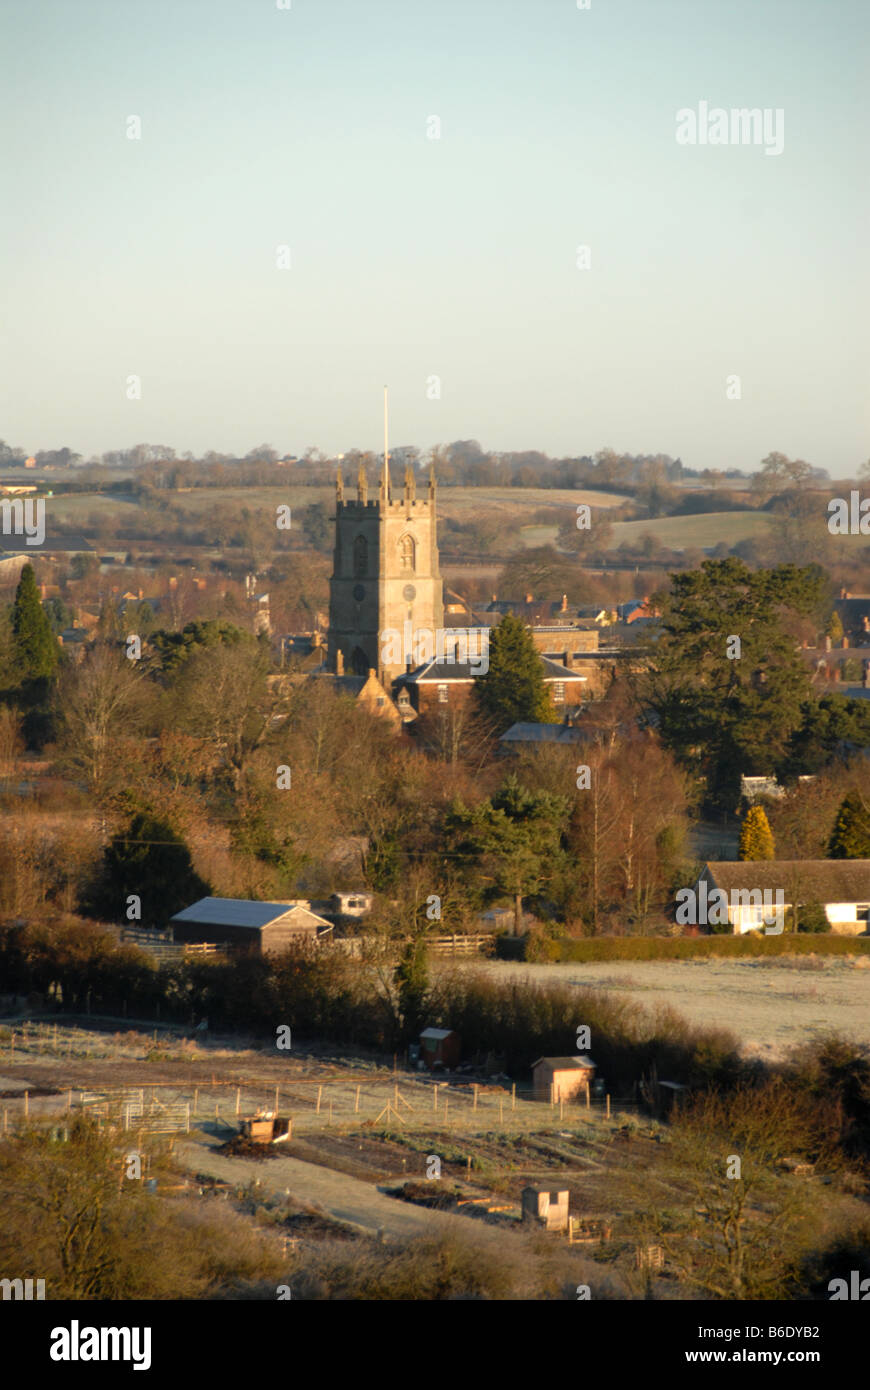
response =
{"points": [[705, 529]]}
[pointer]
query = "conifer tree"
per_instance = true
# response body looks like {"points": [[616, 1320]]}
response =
{"points": [[513, 688], [850, 838], [756, 836], [35, 649]]}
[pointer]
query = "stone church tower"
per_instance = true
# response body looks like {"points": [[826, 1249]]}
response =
{"points": [[385, 576]]}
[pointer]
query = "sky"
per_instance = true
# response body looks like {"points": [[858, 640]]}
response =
{"points": [[445, 267]]}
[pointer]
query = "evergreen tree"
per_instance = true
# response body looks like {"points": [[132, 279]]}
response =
{"points": [[724, 708], [851, 834], [151, 861], [756, 836], [509, 846], [35, 649], [411, 978], [513, 688]]}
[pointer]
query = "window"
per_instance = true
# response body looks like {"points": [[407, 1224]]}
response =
{"points": [[442, 694], [406, 553], [862, 912], [360, 556], [559, 692], [381, 700]]}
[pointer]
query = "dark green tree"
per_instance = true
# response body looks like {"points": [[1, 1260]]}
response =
{"points": [[35, 648], [511, 845], [726, 682], [513, 687], [411, 978], [151, 861], [850, 838]]}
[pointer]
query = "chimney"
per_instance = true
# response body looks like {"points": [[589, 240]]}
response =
{"points": [[564, 608], [828, 644], [495, 598], [339, 663], [530, 598]]}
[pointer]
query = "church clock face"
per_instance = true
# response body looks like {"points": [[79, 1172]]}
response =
{"points": [[359, 592], [409, 593]]}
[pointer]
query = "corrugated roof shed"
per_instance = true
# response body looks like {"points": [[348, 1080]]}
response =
{"points": [[239, 912]]}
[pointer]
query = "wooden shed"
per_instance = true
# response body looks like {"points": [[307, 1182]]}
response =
{"points": [[439, 1046], [547, 1209], [562, 1078], [257, 927]]}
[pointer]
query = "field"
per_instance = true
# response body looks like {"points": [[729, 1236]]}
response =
{"points": [[458, 502], [771, 1005]]}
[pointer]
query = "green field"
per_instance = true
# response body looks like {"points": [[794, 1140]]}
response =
{"points": [[705, 530], [456, 502]]}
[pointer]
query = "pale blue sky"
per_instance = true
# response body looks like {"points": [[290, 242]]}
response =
{"points": [[413, 257]]}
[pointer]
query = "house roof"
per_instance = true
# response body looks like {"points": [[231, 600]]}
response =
{"points": [[239, 912], [544, 733], [818, 880], [555, 671], [565, 1063], [437, 1034]]}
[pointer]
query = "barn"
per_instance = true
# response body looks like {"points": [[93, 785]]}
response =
{"points": [[562, 1078], [259, 928]]}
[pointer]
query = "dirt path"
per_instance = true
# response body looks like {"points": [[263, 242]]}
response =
{"points": [[347, 1199]]}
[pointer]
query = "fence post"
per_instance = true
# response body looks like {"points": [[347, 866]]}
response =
{"points": [[187, 1125], [474, 1106], [319, 1094], [238, 1098], [26, 1104], [608, 1107], [356, 1102], [514, 1096]]}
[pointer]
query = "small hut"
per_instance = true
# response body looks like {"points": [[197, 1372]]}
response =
{"points": [[562, 1078], [547, 1209], [439, 1047]]}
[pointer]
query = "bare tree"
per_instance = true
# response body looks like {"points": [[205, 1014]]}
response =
{"points": [[100, 703]]}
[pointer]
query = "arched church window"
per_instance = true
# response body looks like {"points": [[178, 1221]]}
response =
{"points": [[407, 550], [360, 556]]}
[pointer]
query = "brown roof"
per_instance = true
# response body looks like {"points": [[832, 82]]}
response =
{"points": [[818, 880]]}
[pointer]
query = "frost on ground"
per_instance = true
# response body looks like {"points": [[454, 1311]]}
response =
{"points": [[771, 1005]]}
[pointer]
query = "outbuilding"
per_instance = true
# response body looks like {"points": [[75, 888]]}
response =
{"points": [[260, 928], [439, 1046], [562, 1078], [547, 1209]]}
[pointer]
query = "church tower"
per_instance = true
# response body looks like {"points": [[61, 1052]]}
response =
{"points": [[386, 585]]}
